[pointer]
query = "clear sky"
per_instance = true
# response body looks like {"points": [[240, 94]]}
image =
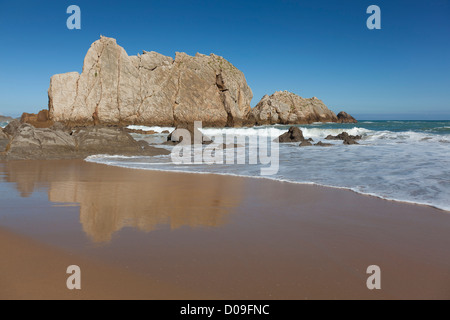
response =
{"points": [[313, 48]]}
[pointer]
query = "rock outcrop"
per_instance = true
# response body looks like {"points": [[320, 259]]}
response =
{"points": [[344, 117], [294, 134], [104, 140], [40, 120], [345, 137], [32, 143], [149, 89], [12, 127], [305, 143], [29, 142], [195, 135], [284, 107], [322, 144], [349, 141]]}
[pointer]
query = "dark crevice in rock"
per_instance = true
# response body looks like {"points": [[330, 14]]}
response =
{"points": [[230, 120]]}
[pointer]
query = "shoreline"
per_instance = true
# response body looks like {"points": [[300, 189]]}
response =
{"points": [[277, 180], [212, 236]]}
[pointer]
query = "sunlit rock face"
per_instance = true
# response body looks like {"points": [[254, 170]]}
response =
{"points": [[149, 89], [284, 107]]}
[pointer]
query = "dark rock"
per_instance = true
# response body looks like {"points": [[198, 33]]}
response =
{"points": [[349, 140], [177, 135], [165, 131], [305, 143], [321, 144], [344, 117], [294, 134], [343, 136]]}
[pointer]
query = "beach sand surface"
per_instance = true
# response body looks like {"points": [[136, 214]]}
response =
{"points": [[158, 235]]}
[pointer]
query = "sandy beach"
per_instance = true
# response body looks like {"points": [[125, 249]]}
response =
{"points": [[159, 235]]}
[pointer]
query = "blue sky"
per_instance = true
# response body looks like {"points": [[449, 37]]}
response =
{"points": [[312, 48]]}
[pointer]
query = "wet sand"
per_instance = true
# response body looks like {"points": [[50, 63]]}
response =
{"points": [[31, 270], [159, 235]]}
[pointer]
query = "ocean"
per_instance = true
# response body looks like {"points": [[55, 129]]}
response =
{"points": [[406, 161]]}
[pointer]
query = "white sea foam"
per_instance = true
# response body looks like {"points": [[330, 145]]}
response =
{"points": [[309, 132], [155, 128], [107, 156], [410, 166], [320, 134], [159, 166], [255, 131], [406, 136], [273, 132]]}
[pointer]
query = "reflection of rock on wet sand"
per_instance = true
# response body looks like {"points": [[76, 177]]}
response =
{"points": [[113, 198]]}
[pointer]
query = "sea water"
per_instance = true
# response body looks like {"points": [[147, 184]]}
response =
{"points": [[398, 160]]}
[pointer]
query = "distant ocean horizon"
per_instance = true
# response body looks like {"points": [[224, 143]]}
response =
{"points": [[357, 116], [402, 117]]}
